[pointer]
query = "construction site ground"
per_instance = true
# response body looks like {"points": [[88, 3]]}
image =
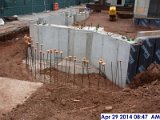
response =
{"points": [[121, 26], [60, 100]]}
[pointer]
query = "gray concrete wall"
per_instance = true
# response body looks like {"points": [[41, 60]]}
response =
{"points": [[85, 43], [80, 42], [90, 43]]}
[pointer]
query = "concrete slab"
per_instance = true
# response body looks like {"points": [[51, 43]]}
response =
{"points": [[14, 92]]}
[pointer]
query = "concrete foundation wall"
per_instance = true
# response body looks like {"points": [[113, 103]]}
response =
{"points": [[80, 42], [90, 43], [85, 43], [123, 57]]}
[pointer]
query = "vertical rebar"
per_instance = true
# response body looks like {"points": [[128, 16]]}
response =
{"points": [[48, 51], [54, 57], [66, 69], [74, 70], [118, 72], [32, 66], [112, 73], [100, 63], [103, 70], [44, 72], [50, 64], [115, 81], [54, 63], [37, 46], [32, 55], [121, 72], [61, 53], [57, 63], [87, 65], [26, 55], [70, 57], [41, 47], [83, 65], [40, 60], [29, 54], [35, 52]]}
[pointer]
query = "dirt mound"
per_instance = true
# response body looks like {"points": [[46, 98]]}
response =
{"points": [[150, 75], [12, 52], [52, 102]]}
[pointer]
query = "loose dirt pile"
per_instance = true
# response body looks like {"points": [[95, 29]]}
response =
{"points": [[12, 52], [152, 74], [52, 102], [59, 101]]}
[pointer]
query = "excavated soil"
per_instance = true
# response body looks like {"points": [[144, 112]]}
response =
{"points": [[146, 77], [12, 52], [124, 27], [61, 100]]}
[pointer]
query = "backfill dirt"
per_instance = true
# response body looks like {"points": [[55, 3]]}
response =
{"points": [[73, 102]]}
